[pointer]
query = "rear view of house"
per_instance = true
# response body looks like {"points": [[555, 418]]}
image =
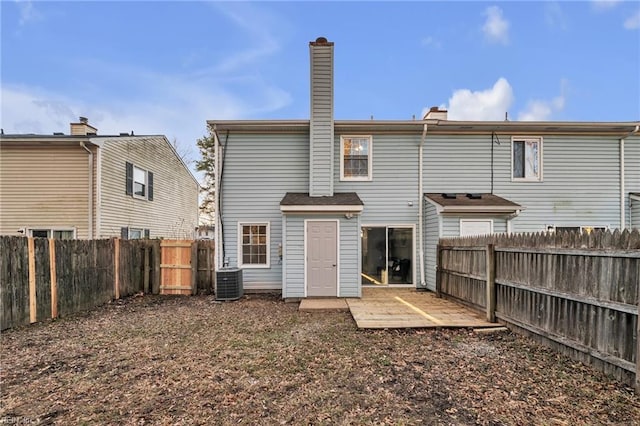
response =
{"points": [[322, 207], [83, 185]]}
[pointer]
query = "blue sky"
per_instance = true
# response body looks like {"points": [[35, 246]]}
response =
{"points": [[166, 67]]}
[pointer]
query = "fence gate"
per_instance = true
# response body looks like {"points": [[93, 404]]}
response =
{"points": [[178, 259]]}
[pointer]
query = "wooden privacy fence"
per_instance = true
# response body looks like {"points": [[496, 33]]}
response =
{"points": [[46, 278], [577, 293]]}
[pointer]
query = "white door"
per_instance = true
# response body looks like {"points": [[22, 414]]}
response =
{"points": [[322, 258], [475, 227]]}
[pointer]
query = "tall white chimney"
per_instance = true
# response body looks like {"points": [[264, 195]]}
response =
{"points": [[321, 120]]}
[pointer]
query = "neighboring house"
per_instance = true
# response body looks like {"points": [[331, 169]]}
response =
{"points": [[87, 186], [321, 207]]}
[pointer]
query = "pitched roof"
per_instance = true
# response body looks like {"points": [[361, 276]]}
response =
{"points": [[471, 203], [338, 202], [338, 199]]}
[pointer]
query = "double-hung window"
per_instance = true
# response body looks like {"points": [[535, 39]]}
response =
{"points": [[253, 247], [526, 154], [139, 182], [356, 158]]}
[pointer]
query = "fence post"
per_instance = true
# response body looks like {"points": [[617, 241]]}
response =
{"points": [[438, 272], [194, 267], [155, 285], [32, 280], [638, 350], [491, 282], [145, 282], [116, 263], [54, 278]]}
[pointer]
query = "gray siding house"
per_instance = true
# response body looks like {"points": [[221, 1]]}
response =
{"points": [[85, 185], [322, 207]]}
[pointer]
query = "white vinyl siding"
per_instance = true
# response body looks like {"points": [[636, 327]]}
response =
{"points": [[169, 211], [320, 155], [259, 170], [392, 197], [581, 177], [632, 180]]}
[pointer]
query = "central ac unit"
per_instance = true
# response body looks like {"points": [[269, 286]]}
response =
{"points": [[229, 284]]}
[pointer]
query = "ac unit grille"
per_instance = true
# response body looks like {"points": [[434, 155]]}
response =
{"points": [[229, 284]]}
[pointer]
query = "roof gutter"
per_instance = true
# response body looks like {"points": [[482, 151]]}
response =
{"points": [[623, 210], [90, 194]]}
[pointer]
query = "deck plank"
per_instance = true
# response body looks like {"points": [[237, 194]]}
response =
{"points": [[407, 308]]}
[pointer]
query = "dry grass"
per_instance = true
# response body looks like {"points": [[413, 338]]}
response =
{"points": [[190, 360]]}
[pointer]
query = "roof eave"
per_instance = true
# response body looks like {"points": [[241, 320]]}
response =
{"points": [[345, 208]]}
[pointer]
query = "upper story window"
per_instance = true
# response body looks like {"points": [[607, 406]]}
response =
{"points": [[356, 158], [253, 247], [139, 182], [526, 154]]}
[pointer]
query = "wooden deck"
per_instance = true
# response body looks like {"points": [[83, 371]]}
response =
{"points": [[408, 308]]}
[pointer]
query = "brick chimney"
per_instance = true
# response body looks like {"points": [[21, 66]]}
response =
{"points": [[83, 128], [435, 113], [321, 120]]}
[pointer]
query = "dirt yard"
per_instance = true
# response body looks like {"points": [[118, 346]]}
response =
{"points": [[191, 360]]}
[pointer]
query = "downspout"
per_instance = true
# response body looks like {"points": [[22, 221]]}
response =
{"points": [[623, 211], [90, 230], [509, 218], [420, 205], [216, 189]]}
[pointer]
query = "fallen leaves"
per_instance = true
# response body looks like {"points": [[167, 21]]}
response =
{"points": [[191, 360]]}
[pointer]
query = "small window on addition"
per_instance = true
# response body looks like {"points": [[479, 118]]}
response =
{"points": [[526, 156], [253, 247]]}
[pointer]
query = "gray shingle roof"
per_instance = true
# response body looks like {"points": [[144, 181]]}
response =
{"points": [[470, 200], [338, 199]]}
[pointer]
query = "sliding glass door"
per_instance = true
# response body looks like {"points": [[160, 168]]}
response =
{"points": [[387, 255]]}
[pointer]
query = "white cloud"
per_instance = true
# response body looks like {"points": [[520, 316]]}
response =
{"points": [[482, 105], [257, 25], [601, 5], [186, 105], [124, 97], [554, 16], [495, 28], [540, 110], [633, 22], [28, 12], [431, 42]]}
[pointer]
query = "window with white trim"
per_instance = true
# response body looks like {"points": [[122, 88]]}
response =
{"points": [[356, 158], [127, 233], [526, 154], [253, 245], [584, 229], [139, 182], [56, 233]]}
